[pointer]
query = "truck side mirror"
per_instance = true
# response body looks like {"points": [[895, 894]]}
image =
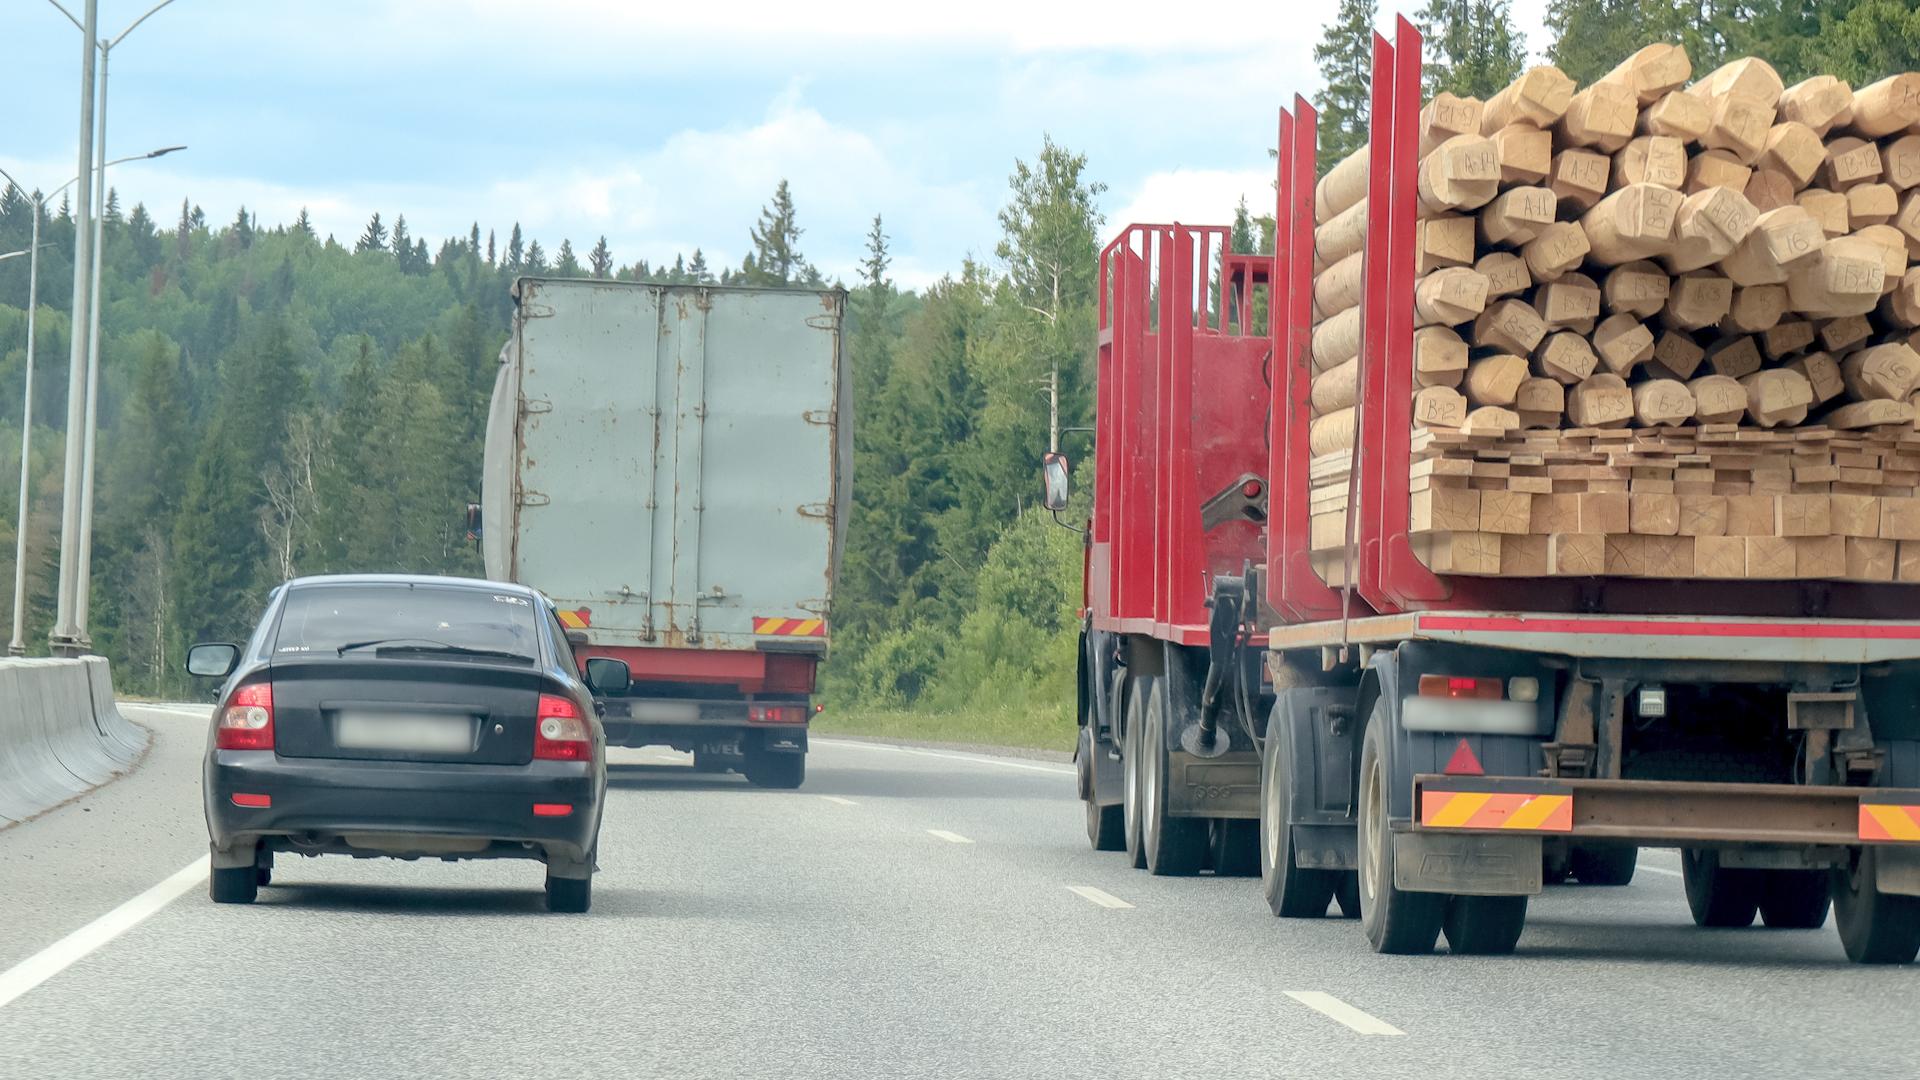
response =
{"points": [[606, 675], [1053, 481]]}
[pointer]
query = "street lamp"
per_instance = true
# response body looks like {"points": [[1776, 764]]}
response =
{"points": [[69, 630], [18, 645]]}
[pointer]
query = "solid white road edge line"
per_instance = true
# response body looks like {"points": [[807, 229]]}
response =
{"points": [[950, 837], [1661, 870], [889, 748], [1098, 896], [838, 799], [62, 954], [1328, 1005]]}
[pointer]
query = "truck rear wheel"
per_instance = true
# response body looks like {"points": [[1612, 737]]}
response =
{"points": [[1604, 864], [1235, 844], [1130, 769], [1407, 923], [1105, 829], [1484, 925], [1292, 892], [1174, 846], [1718, 896], [773, 770], [1795, 899], [1875, 927]]}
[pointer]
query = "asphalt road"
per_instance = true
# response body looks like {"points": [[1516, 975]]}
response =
{"points": [[909, 913]]}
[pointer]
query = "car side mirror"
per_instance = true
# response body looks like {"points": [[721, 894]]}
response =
{"points": [[213, 661], [1053, 481], [608, 676]]}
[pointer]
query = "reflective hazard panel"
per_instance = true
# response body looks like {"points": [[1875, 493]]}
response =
{"points": [[1496, 810], [779, 627], [578, 619], [1888, 821]]}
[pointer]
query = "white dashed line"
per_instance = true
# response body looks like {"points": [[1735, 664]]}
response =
{"points": [[1103, 898], [838, 799], [887, 748], [1661, 870], [62, 954], [1327, 1005], [950, 837]]}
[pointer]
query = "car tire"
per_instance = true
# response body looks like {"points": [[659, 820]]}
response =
{"points": [[1718, 896], [264, 868], [1605, 864], [1484, 925], [234, 884], [1795, 899], [779, 771], [1292, 892], [1395, 921], [569, 896], [1875, 927]]}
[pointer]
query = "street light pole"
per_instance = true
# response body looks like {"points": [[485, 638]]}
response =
{"points": [[18, 645], [65, 637]]}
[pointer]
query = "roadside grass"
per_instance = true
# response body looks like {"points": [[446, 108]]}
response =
{"points": [[1029, 727]]}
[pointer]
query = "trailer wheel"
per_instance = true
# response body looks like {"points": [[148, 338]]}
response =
{"points": [[1131, 756], [1235, 844], [1394, 921], [1105, 830], [1175, 847], [1875, 927], [1484, 925], [771, 770], [1795, 899], [1346, 893], [1604, 864], [1718, 896], [1292, 892]]}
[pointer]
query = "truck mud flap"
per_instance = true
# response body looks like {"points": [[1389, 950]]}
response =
{"points": [[1466, 864], [1224, 787]]}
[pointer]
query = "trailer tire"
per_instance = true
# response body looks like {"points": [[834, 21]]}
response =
{"points": [[1484, 925], [1235, 847], [780, 771], [1293, 892], [1105, 829], [1605, 864], [1131, 757], [1795, 899], [1718, 896], [1406, 923], [1346, 894], [704, 762], [1875, 927], [1174, 846]]}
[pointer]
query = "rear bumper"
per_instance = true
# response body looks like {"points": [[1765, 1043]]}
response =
{"points": [[689, 731], [316, 802]]}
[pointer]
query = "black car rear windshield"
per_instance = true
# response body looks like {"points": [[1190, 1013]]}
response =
{"points": [[400, 617]]}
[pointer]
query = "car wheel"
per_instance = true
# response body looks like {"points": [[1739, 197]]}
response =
{"points": [[264, 868], [784, 771], [234, 884], [569, 895]]}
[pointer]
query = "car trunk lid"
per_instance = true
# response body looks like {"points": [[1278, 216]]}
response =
{"points": [[395, 707]]}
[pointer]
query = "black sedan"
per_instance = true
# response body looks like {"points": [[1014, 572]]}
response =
{"points": [[404, 716]]}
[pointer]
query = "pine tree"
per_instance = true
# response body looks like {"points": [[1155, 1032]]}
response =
{"points": [[1475, 50], [183, 233], [241, 232], [402, 243], [141, 227], [775, 256], [490, 252], [1345, 56], [199, 217], [516, 252], [113, 207], [565, 264], [536, 260], [1870, 40], [697, 268], [473, 239], [374, 238], [601, 259], [303, 225], [873, 268]]}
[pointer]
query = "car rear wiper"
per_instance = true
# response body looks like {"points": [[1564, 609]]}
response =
{"points": [[427, 645]]}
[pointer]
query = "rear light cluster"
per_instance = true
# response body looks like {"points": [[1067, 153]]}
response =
{"points": [[560, 733], [1518, 688], [777, 714], [247, 721]]}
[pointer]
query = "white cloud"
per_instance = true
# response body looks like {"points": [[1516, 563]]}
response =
{"points": [[1194, 197]]}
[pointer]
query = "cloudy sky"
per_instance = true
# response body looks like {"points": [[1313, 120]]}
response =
{"points": [[665, 126]]}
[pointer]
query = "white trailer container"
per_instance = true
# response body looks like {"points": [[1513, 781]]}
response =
{"points": [[671, 464]]}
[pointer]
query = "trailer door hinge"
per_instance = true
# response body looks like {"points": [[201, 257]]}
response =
{"points": [[824, 322], [532, 310], [533, 498], [536, 405], [822, 417], [816, 510]]}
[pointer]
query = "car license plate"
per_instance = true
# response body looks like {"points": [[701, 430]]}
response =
{"points": [[411, 732]]}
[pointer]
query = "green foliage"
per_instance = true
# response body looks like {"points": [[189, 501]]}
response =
{"points": [[1475, 50], [1864, 41], [1345, 56]]}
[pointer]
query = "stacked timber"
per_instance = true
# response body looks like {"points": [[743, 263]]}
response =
{"points": [[1655, 290]]}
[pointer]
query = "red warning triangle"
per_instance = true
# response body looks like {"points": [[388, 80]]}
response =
{"points": [[1463, 763]]}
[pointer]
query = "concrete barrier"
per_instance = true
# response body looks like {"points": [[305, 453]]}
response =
{"points": [[61, 733]]}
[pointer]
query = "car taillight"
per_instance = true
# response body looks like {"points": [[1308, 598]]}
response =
{"points": [[776, 714], [560, 733], [247, 721]]}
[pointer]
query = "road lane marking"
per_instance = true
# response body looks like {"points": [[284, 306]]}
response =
{"points": [[62, 954], [1098, 896], [838, 799], [888, 748], [950, 837], [1661, 870], [1327, 1005]]}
